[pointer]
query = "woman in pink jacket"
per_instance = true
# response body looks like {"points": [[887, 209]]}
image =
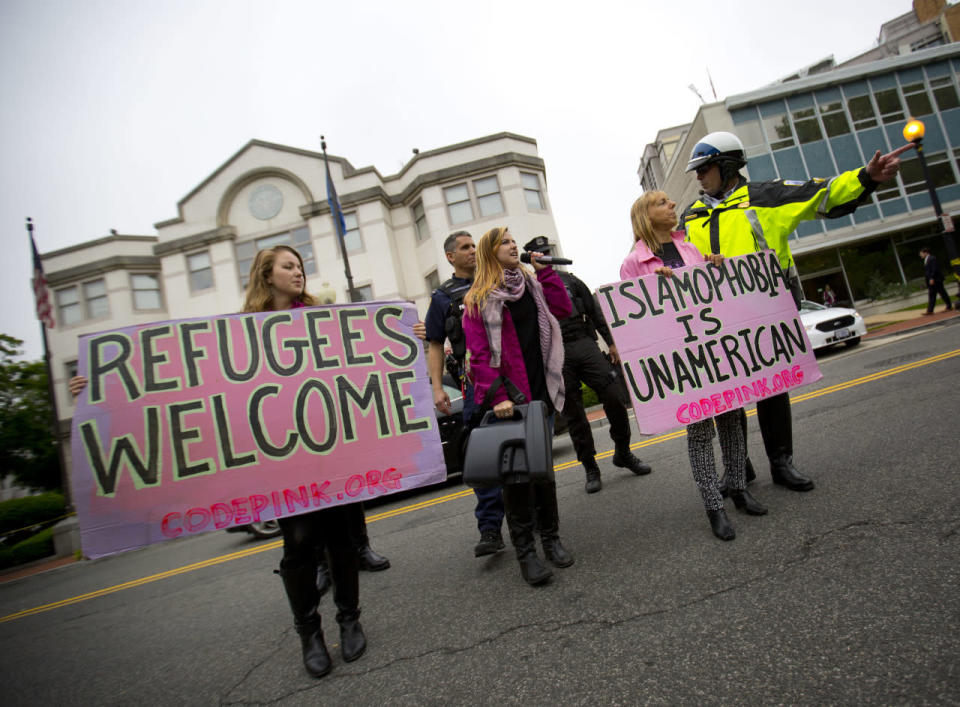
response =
{"points": [[511, 331], [659, 249]]}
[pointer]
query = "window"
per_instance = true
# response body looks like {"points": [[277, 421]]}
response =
{"points": [[365, 293], [944, 93], [458, 203], [861, 110], [298, 239], [146, 292], [80, 302], [941, 174], [488, 196], [462, 206], [888, 101], [778, 131], [834, 120], [420, 222], [805, 122], [351, 237], [433, 281], [200, 271], [531, 190], [918, 102]]}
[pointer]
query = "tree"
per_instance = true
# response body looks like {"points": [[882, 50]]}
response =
{"points": [[28, 451]]}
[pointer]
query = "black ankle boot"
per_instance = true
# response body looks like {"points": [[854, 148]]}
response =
{"points": [[316, 658], [300, 584], [369, 560], [519, 506], [372, 561], [784, 473], [594, 483], [353, 642], [747, 503], [623, 457], [720, 525], [548, 521]]}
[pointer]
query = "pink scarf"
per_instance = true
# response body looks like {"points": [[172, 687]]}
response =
{"points": [[515, 282]]}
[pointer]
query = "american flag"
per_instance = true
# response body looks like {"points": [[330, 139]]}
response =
{"points": [[40, 292]]}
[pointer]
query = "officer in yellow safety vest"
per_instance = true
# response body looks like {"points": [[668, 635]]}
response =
{"points": [[735, 217]]}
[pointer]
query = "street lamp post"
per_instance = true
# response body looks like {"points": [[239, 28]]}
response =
{"points": [[913, 132]]}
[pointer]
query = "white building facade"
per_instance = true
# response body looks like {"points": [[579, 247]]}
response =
{"points": [[267, 194]]}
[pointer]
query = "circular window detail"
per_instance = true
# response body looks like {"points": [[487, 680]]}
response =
{"points": [[265, 202]]}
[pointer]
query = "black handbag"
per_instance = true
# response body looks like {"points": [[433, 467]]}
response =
{"points": [[519, 449]]}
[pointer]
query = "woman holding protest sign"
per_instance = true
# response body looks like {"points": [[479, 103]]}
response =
{"points": [[512, 334], [658, 249], [277, 282]]}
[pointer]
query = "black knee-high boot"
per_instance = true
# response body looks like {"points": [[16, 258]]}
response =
{"points": [[519, 503], [548, 521], [369, 559], [300, 583], [344, 572]]}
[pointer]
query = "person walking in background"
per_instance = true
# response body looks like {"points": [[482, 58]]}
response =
{"points": [[934, 279], [659, 249], [583, 361], [829, 298], [735, 217], [512, 333], [444, 323]]}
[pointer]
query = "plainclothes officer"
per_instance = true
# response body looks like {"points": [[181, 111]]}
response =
{"points": [[735, 217], [443, 323], [584, 361]]}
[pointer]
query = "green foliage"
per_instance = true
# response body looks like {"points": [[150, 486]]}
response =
{"points": [[30, 510], [27, 450], [33, 548], [589, 397]]}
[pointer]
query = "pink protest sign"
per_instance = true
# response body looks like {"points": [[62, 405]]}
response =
{"points": [[707, 340], [199, 424]]}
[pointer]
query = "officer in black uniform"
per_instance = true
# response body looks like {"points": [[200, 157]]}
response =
{"points": [[443, 323], [584, 361]]}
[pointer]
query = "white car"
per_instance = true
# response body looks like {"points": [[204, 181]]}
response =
{"points": [[827, 326]]}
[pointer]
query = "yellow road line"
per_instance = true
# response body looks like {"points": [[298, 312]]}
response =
{"points": [[879, 375]]}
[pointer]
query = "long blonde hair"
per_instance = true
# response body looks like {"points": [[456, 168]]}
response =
{"points": [[489, 273], [259, 296], [640, 220]]}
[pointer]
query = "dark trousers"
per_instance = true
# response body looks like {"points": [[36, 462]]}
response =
{"points": [[303, 536], [933, 291], [583, 361], [489, 510]]}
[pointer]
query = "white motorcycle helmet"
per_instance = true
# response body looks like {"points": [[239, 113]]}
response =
{"points": [[722, 148]]}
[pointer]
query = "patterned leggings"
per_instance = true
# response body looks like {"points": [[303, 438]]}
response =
{"points": [[700, 447]]}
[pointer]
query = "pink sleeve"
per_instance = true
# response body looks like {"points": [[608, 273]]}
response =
{"points": [[475, 335], [555, 293]]}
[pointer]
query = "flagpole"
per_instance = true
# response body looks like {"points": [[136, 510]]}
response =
{"points": [[336, 212], [54, 414]]}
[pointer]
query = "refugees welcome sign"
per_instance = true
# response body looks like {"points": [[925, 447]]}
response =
{"points": [[707, 340], [200, 424]]}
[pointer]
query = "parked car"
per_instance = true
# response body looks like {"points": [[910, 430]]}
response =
{"points": [[827, 326]]}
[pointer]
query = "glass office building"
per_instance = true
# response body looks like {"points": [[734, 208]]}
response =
{"points": [[831, 122]]}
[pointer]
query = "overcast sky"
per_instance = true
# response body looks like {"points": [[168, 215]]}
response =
{"points": [[113, 110]]}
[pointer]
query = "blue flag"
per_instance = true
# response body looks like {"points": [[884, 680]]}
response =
{"points": [[334, 202]]}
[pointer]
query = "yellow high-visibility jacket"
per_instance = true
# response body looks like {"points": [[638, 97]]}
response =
{"points": [[760, 215]]}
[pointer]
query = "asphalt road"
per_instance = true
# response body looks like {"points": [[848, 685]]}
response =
{"points": [[845, 595]]}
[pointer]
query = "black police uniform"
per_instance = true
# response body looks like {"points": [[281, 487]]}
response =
{"points": [[443, 322], [584, 361]]}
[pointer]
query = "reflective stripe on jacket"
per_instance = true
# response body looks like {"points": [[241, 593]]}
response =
{"points": [[760, 215]]}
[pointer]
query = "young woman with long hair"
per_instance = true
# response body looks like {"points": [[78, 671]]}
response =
{"points": [[511, 331], [659, 249], [277, 282]]}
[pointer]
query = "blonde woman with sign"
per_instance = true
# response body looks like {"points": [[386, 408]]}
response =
{"points": [[658, 249]]}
